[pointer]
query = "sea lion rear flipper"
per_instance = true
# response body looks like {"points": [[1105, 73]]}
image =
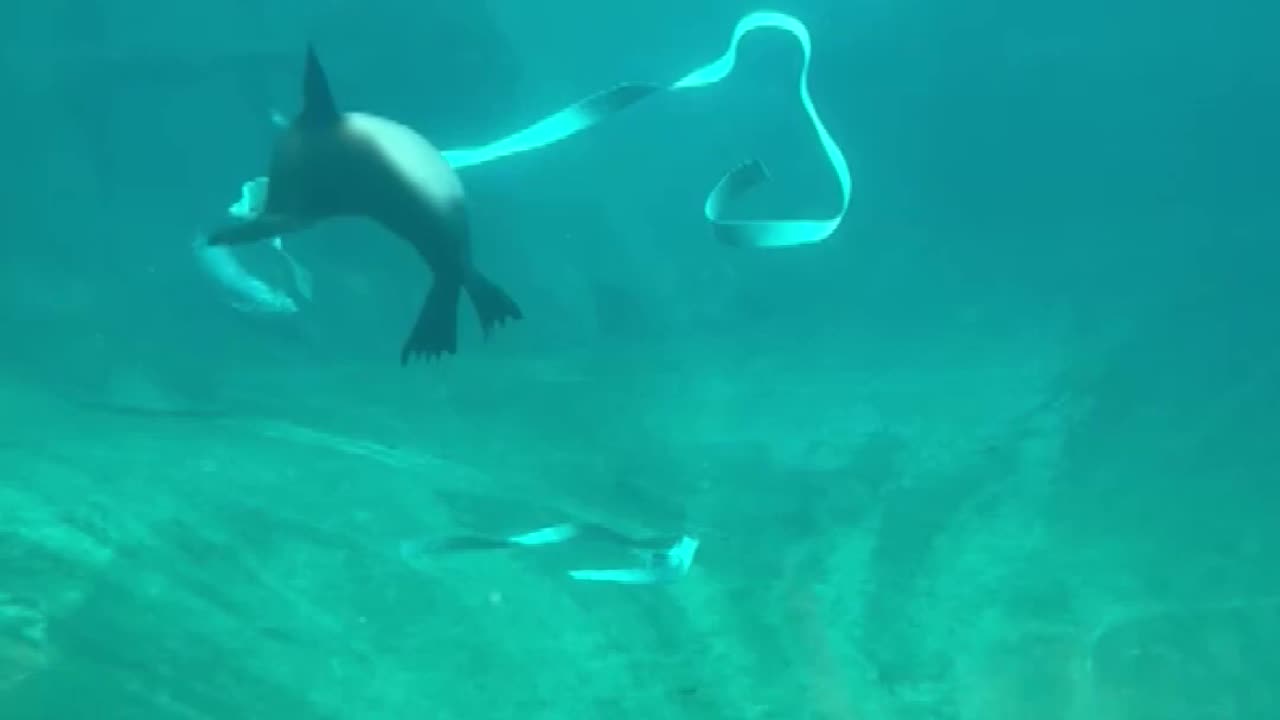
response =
{"points": [[491, 302], [259, 228], [436, 330]]}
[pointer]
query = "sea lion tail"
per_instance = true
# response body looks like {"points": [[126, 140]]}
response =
{"points": [[436, 330], [491, 302]]}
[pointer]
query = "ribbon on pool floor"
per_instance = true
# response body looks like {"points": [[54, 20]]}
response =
{"points": [[742, 233], [661, 559]]}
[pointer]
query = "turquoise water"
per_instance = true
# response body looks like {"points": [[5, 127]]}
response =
{"points": [[1002, 445]]}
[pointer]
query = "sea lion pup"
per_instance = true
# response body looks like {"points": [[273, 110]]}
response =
{"points": [[329, 164]]}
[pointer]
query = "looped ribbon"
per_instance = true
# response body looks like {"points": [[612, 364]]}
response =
{"points": [[247, 292], [589, 112], [253, 197], [740, 233]]}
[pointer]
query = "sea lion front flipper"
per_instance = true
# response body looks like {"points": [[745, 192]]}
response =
{"points": [[493, 305], [319, 110], [259, 228], [435, 332]]}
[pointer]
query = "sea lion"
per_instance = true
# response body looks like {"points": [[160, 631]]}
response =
{"points": [[329, 164]]}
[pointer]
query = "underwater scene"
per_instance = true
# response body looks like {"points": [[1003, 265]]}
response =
{"points": [[552, 359]]}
